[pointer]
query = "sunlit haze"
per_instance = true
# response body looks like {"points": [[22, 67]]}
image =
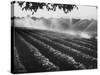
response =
{"points": [[59, 21]]}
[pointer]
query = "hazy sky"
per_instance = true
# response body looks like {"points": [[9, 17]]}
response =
{"points": [[84, 12]]}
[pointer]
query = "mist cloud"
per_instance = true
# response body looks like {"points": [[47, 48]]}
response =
{"points": [[59, 25]]}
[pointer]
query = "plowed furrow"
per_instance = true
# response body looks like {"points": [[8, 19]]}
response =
{"points": [[65, 62], [86, 43], [82, 44], [77, 41], [18, 66], [31, 58], [72, 45], [90, 41], [89, 61]]}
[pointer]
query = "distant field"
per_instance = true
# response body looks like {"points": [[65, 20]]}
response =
{"points": [[44, 51]]}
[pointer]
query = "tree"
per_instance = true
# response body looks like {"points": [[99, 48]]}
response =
{"points": [[33, 6]]}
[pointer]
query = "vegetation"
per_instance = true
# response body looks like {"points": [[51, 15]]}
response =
{"points": [[40, 51], [34, 6]]}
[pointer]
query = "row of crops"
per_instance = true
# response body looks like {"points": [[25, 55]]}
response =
{"points": [[41, 51]]}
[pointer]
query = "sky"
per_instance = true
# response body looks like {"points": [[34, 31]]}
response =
{"points": [[83, 12]]}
